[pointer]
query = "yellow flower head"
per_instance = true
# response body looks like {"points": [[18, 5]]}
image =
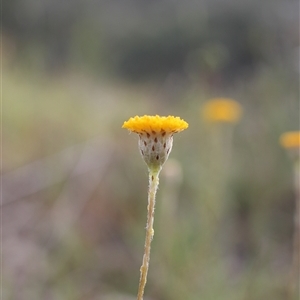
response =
{"points": [[150, 124], [156, 136], [222, 110], [290, 139]]}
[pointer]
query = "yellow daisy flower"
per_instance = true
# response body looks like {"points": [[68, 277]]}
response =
{"points": [[155, 144], [290, 139], [156, 136], [222, 110], [155, 124]]}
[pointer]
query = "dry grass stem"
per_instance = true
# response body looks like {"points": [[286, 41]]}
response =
{"points": [[153, 184]]}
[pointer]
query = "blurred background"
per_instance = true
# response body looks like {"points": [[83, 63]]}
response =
{"points": [[74, 186]]}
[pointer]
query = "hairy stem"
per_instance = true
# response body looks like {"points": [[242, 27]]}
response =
{"points": [[294, 274], [153, 184]]}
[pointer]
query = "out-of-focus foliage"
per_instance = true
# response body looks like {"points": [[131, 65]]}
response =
{"points": [[74, 185], [149, 40]]}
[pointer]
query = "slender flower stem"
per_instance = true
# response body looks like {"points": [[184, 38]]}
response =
{"points": [[294, 284], [153, 184], [294, 276]]}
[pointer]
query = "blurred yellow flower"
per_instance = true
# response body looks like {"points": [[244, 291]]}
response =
{"points": [[290, 139], [156, 136], [222, 110]]}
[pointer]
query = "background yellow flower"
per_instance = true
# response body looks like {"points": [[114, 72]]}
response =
{"points": [[222, 110], [290, 139]]}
